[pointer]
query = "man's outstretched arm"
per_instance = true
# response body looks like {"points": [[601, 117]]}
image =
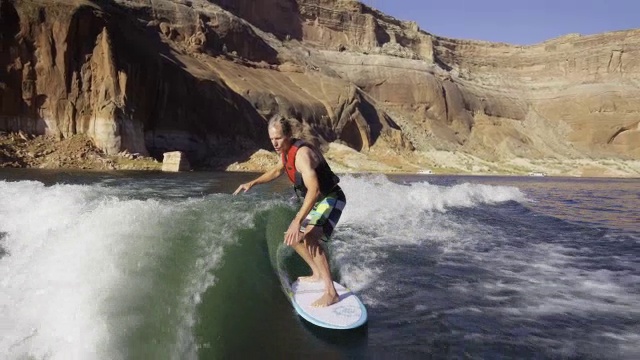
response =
{"points": [[264, 178]]}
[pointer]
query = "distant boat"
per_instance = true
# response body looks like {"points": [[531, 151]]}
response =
{"points": [[537, 174], [426, 171]]}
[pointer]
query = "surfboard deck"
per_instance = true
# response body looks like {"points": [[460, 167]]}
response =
{"points": [[348, 313]]}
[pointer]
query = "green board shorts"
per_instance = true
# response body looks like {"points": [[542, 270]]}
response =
{"points": [[326, 212]]}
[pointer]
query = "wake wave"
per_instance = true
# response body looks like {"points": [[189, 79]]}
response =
{"points": [[87, 273], [383, 196], [97, 272], [381, 215]]}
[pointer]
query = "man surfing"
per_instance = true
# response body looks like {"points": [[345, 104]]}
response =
{"points": [[321, 208]]}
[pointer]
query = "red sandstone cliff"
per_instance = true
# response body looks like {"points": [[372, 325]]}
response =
{"points": [[204, 76]]}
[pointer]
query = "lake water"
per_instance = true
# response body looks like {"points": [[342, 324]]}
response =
{"points": [[145, 265]]}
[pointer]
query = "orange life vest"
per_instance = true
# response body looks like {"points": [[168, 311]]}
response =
{"points": [[326, 178]]}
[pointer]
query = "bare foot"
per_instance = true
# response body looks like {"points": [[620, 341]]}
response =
{"points": [[312, 278], [326, 300]]}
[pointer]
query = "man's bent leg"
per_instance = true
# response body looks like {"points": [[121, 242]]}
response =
{"points": [[319, 256], [303, 251]]}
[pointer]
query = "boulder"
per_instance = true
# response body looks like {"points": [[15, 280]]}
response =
{"points": [[175, 161]]}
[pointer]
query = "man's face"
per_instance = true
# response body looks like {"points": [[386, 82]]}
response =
{"points": [[280, 142]]}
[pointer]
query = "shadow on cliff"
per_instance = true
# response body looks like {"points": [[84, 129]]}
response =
{"points": [[19, 98], [279, 17], [363, 123], [179, 111], [10, 77], [9, 28]]}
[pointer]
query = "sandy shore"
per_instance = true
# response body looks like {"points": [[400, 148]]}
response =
{"points": [[346, 160], [22, 151]]}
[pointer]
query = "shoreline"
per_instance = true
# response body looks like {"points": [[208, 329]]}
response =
{"points": [[78, 153], [133, 169]]}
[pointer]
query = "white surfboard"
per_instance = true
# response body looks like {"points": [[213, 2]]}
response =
{"points": [[348, 313]]}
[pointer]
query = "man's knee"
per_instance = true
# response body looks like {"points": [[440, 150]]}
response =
{"points": [[312, 240], [313, 234]]}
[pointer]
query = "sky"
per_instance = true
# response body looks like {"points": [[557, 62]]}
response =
{"points": [[520, 22]]}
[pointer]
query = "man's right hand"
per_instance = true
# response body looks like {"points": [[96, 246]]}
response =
{"points": [[245, 187]]}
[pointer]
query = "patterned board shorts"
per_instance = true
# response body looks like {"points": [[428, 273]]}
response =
{"points": [[326, 212]]}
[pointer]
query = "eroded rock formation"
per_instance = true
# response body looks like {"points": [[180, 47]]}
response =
{"points": [[203, 77]]}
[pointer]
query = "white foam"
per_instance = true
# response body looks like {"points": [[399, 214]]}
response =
{"points": [[45, 304], [70, 248], [384, 197], [381, 213], [547, 280], [82, 262], [536, 280], [224, 225], [553, 283], [406, 212]]}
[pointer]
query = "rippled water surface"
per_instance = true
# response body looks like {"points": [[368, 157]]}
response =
{"points": [[130, 265]]}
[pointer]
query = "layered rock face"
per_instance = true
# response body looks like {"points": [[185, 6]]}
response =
{"points": [[583, 87], [93, 68], [204, 77]]}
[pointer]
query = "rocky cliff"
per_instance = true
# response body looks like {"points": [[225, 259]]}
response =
{"points": [[149, 76]]}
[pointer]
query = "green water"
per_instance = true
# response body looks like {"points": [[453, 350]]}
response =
{"points": [[247, 313], [123, 265]]}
